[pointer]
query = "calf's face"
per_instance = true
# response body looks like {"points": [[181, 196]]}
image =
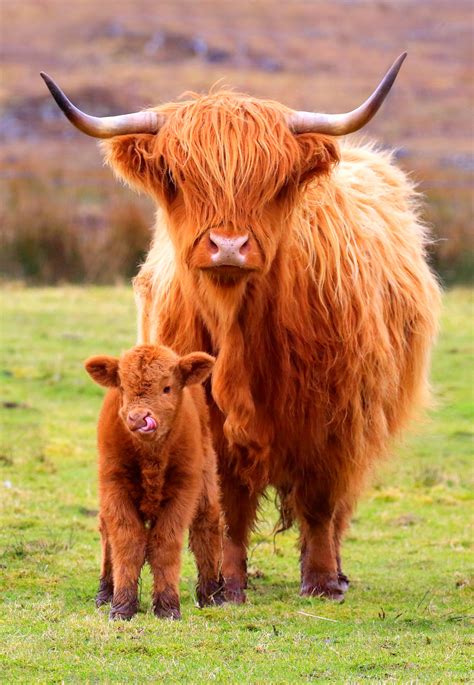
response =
{"points": [[151, 381]]}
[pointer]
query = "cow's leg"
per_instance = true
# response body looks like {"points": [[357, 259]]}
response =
{"points": [[319, 569], [342, 517], [106, 584], [127, 537], [143, 292], [240, 506], [205, 541]]}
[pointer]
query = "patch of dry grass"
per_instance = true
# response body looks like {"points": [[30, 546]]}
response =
{"points": [[327, 55]]}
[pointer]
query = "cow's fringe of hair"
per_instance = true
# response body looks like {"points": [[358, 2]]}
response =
{"points": [[338, 330], [286, 515]]}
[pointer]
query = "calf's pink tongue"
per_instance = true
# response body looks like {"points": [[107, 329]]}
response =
{"points": [[150, 423]]}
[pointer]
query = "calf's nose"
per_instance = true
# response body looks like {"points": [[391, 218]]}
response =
{"points": [[137, 419], [228, 250]]}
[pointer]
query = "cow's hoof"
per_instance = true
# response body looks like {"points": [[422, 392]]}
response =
{"points": [[172, 613], [122, 612], [210, 593], [166, 605], [124, 606], [234, 591], [344, 581], [104, 594], [326, 585]]}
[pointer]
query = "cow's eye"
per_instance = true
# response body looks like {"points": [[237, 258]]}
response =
{"points": [[167, 389]]}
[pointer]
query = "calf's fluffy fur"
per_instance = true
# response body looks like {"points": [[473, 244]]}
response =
{"points": [[157, 477]]}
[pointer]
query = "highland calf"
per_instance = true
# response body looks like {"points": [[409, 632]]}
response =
{"points": [[157, 477]]}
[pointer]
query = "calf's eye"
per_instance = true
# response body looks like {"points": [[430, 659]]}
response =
{"points": [[167, 389]]}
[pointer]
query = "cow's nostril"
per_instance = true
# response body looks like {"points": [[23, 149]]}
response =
{"points": [[214, 247], [244, 248]]}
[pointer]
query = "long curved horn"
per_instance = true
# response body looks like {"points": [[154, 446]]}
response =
{"points": [[341, 124], [104, 127]]}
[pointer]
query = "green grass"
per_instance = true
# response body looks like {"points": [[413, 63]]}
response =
{"points": [[406, 615]]}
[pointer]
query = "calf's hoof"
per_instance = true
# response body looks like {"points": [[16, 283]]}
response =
{"points": [[325, 585], [234, 591], [210, 593], [105, 593], [166, 605]]}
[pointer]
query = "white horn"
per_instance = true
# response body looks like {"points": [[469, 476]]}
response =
{"points": [[104, 127], [341, 124]]}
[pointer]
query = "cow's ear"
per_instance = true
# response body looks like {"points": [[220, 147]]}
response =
{"points": [[195, 367], [136, 160], [103, 370], [318, 155]]}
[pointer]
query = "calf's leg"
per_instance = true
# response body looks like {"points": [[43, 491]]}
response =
{"points": [[165, 543], [106, 584], [164, 556], [127, 537]]}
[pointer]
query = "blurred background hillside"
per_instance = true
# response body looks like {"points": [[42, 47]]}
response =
{"points": [[65, 218]]}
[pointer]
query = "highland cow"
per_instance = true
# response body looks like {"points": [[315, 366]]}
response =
{"points": [[300, 264], [157, 478]]}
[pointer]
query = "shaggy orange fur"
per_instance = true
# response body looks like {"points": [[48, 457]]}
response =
{"points": [[323, 352], [157, 477]]}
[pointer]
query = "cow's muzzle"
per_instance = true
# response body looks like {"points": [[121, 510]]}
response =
{"points": [[221, 252]]}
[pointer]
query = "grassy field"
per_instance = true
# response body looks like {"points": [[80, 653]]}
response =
{"points": [[405, 618]]}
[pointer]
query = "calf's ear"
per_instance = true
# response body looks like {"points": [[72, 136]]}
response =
{"points": [[103, 370], [195, 367]]}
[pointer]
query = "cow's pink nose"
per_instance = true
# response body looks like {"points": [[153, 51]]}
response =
{"points": [[228, 250]]}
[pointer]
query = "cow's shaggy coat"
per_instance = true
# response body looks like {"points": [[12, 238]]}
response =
{"points": [[323, 350], [157, 477]]}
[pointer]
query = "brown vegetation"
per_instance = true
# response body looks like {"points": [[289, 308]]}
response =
{"points": [[49, 235], [325, 55]]}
